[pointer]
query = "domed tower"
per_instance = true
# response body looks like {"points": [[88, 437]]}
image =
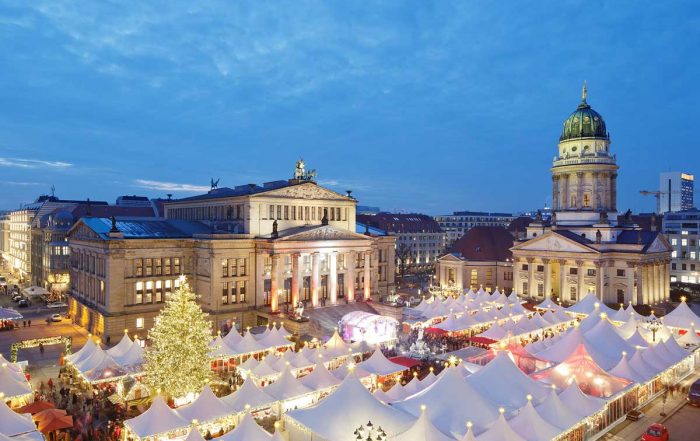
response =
{"points": [[584, 172]]}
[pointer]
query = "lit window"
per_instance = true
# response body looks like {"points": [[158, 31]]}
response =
{"points": [[684, 242], [674, 241], [674, 254], [139, 323]]}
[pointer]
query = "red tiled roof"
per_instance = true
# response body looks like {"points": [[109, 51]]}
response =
{"points": [[485, 243], [401, 222]]}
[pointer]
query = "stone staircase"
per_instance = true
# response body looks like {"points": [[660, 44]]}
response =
{"points": [[325, 319]]}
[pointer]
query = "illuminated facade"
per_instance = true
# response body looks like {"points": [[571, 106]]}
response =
{"points": [[584, 249], [676, 192], [251, 253]]}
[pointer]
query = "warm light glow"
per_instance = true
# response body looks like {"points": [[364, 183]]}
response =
{"points": [[683, 299], [469, 424], [596, 305], [501, 410], [529, 397], [423, 407]]}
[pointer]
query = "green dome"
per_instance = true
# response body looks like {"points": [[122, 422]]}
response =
{"points": [[584, 122]]}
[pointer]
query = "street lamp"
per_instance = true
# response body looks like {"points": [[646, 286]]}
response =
{"points": [[654, 325], [370, 433]]}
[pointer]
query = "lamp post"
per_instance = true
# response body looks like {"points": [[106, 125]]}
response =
{"points": [[370, 433], [654, 325]]}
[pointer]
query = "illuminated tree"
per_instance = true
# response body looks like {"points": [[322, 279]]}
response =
{"points": [[177, 362]]}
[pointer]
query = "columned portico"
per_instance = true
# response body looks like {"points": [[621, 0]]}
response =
{"points": [[333, 276], [315, 277], [367, 276], [531, 288], [580, 286], [351, 260], [296, 277], [274, 283], [547, 278]]}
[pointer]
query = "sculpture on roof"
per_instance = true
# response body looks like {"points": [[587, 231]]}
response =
{"points": [[114, 228], [215, 183], [300, 172]]}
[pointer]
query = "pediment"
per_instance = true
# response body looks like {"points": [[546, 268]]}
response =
{"points": [[80, 231], [325, 232], [449, 258], [308, 191], [553, 242], [659, 245]]}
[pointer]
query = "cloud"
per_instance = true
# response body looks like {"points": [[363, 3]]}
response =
{"points": [[32, 163], [23, 184], [170, 186]]}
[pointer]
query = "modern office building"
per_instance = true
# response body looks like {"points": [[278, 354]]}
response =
{"points": [[682, 230], [455, 225], [676, 192]]}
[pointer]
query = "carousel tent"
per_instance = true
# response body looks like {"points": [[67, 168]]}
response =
{"points": [[320, 378], [557, 413], [500, 431], [505, 385], [247, 430], [248, 394], [564, 347], [12, 423], [338, 415], [681, 317], [287, 386], [207, 407], [158, 419], [532, 426], [447, 407], [422, 430], [381, 366]]}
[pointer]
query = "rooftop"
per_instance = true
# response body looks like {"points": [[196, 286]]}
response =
{"points": [[485, 243]]}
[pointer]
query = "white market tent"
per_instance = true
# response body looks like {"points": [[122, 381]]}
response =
{"points": [[158, 419], [320, 378], [9, 314], [689, 338], [13, 383], [247, 430], [249, 394], [194, 435], [532, 426], [84, 352], [681, 317], [447, 407], [577, 401], [120, 348], [555, 412], [275, 338], [590, 304], [337, 416], [500, 431], [207, 407], [381, 366], [132, 361], [13, 423], [422, 430], [287, 387], [623, 370], [343, 370]]}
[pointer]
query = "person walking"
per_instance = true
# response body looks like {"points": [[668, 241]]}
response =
{"points": [[41, 349]]}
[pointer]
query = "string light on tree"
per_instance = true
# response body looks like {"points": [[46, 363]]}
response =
{"points": [[177, 360]]}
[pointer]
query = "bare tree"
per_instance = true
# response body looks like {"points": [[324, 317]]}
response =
{"points": [[403, 255]]}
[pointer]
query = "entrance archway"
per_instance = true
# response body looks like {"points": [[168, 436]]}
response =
{"points": [[35, 342]]}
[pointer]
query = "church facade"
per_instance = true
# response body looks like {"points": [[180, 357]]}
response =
{"points": [[586, 247]]}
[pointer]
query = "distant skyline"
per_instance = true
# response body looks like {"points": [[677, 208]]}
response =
{"points": [[419, 106]]}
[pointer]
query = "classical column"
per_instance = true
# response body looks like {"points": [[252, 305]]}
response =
{"points": [[315, 277], [638, 277], [555, 192], [564, 193], [296, 277], [516, 274], [599, 277], [333, 276], [657, 283], [368, 275], [547, 278], [579, 283], [259, 276], [613, 191], [579, 190], [629, 293], [274, 283], [531, 291], [459, 273], [646, 298], [666, 281], [594, 195], [563, 268], [350, 277]]}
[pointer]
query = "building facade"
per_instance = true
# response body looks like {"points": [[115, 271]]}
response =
{"points": [[479, 259], [457, 224], [584, 249], [4, 239], [251, 253], [682, 230], [419, 238], [676, 192]]}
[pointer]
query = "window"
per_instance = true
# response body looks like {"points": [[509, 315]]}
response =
{"points": [[241, 291], [540, 268], [139, 323], [279, 212], [524, 267], [149, 292], [234, 292], [573, 271], [139, 293], [166, 264], [473, 278], [286, 212], [693, 255], [674, 241], [159, 267], [591, 272], [620, 273], [224, 267], [176, 265], [168, 288], [525, 292], [242, 266], [673, 266], [138, 267], [572, 293], [224, 293], [148, 263], [684, 242], [159, 291], [272, 212], [540, 289]]}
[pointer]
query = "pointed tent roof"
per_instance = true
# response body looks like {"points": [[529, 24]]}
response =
{"points": [[83, 353], [446, 404], [557, 413], [122, 347], [590, 304], [422, 430], [265, 368], [495, 332], [13, 383], [582, 404], [206, 407], [681, 317], [378, 364], [641, 366], [451, 324], [518, 308], [333, 419], [654, 358], [674, 349], [247, 430], [628, 327], [505, 385], [320, 378], [247, 345], [500, 431], [275, 339], [529, 424], [607, 341], [232, 338], [413, 387], [194, 435], [287, 386], [630, 309], [277, 436], [12, 423], [623, 370], [105, 370], [344, 369], [620, 315], [248, 394], [469, 435], [428, 379], [219, 349], [159, 418], [248, 365], [636, 339], [563, 316], [336, 346]]}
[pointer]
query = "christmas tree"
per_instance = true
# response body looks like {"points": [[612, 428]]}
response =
{"points": [[177, 362]]}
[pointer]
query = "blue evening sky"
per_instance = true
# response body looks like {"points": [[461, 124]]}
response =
{"points": [[428, 106]]}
